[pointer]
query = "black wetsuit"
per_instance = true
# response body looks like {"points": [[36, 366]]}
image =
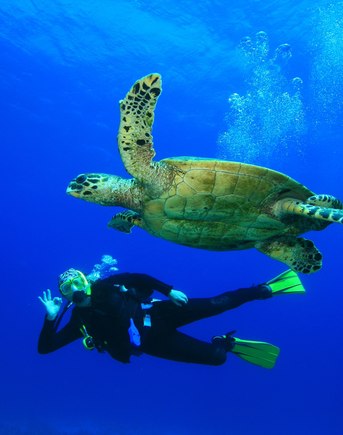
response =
{"points": [[107, 320]]}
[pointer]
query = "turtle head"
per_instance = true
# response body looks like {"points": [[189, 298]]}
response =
{"points": [[101, 189]]}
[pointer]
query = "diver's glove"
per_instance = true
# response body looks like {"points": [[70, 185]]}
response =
{"points": [[52, 305], [178, 297]]}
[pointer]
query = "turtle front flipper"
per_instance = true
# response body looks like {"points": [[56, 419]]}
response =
{"points": [[326, 201], [125, 220], [135, 131], [300, 254], [314, 207]]}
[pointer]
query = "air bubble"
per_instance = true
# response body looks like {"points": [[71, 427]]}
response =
{"points": [[270, 114]]}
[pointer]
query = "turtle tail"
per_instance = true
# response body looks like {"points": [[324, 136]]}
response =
{"points": [[294, 206]]}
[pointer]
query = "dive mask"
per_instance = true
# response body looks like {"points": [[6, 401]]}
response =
{"points": [[73, 281]]}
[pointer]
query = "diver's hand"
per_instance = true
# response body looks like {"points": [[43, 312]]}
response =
{"points": [[178, 297], [52, 306]]}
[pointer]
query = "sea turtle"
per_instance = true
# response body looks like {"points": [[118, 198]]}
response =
{"points": [[206, 203]]}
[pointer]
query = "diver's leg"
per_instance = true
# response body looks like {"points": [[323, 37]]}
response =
{"points": [[167, 314], [177, 346]]}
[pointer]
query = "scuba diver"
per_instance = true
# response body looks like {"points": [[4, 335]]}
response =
{"points": [[115, 314]]}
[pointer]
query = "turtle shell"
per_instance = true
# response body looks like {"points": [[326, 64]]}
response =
{"points": [[221, 205]]}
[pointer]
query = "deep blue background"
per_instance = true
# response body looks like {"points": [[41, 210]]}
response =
{"points": [[64, 67]]}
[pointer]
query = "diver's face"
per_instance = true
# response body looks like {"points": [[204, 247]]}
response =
{"points": [[74, 285]]}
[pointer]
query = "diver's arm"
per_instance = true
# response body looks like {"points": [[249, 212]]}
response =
{"points": [[143, 286], [147, 282], [50, 339], [142, 280]]}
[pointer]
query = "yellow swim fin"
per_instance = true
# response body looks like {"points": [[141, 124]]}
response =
{"points": [[286, 282], [259, 353]]}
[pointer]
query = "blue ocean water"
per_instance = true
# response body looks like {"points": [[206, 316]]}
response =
{"points": [[229, 91]]}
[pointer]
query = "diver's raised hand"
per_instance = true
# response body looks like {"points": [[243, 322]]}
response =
{"points": [[52, 305], [178, 297]]}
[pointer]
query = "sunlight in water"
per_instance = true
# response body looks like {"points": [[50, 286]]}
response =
{"points": [[270, 115], [327, 70]]}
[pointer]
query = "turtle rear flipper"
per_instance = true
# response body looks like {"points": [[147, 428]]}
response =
{"points": [[310, 209], [125, 220], [300, 254]]}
